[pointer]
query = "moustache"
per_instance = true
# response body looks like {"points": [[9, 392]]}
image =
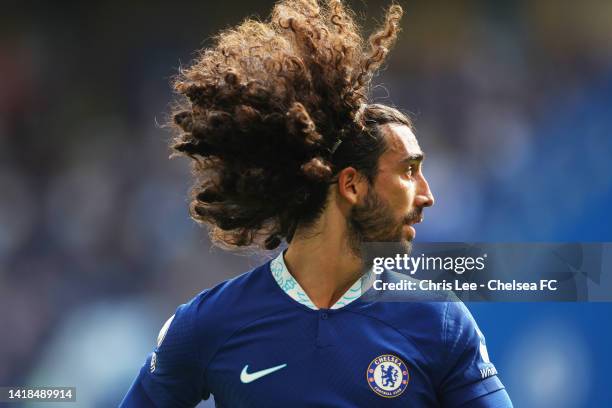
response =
{"points": [[413, 217]]}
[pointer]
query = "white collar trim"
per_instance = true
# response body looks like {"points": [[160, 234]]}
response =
{"points": [[292, 288]]}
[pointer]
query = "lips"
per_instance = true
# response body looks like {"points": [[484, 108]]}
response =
{"points": [[413, 222], [410, 224]]}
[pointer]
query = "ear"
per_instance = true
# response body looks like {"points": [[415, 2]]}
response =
{"points": [[352, 185]]}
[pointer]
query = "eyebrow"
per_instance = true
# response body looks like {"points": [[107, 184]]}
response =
{"points": [[411, 158]]}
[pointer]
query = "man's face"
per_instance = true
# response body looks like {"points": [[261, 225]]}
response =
{"points": [[399, 194]]}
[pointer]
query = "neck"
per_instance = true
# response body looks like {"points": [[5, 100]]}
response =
{"points": [[321, 260]]}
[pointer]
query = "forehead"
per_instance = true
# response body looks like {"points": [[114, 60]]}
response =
{"points": [[401, 140]]}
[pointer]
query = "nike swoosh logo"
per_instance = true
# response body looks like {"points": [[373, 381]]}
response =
{"points": [[250, 377]]}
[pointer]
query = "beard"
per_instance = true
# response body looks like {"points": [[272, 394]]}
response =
{"points": [[372, 223]]}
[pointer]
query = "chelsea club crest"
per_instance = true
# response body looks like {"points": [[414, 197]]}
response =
{"points": [[388, 376]]}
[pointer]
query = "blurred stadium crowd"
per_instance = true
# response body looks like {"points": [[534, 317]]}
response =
{"points": [[511, 102]]}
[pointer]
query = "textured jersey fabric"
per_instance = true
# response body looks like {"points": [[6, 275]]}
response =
{"points": [[251, 343]]}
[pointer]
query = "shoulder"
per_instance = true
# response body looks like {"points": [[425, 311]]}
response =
{"points": [[232, 292], [174, 373], [439, 312], [397, 296], [215, 314], [437, 322]]}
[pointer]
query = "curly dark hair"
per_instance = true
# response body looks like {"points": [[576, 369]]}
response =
{"points": [[273, 111]]}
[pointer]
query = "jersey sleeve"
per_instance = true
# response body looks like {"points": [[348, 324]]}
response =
{"points": [[470, 378], [173, 374], [496, 399]]}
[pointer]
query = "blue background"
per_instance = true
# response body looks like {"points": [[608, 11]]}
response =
{"points": [[511, 102]]}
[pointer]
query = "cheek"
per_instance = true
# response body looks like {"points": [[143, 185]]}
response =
{"points": [[398, 192], [405, 193]]}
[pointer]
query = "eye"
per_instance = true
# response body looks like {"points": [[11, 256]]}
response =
{"points": [[411, 170]]}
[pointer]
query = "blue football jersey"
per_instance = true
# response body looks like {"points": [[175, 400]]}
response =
{"points": [[258, 341]]}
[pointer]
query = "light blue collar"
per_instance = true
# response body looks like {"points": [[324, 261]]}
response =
{"points": [[292, 288]]}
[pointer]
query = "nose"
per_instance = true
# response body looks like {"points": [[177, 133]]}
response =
{"points": [[424, 196]]}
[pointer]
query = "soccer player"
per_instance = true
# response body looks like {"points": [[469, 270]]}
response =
{"points": [[285, 146]]}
